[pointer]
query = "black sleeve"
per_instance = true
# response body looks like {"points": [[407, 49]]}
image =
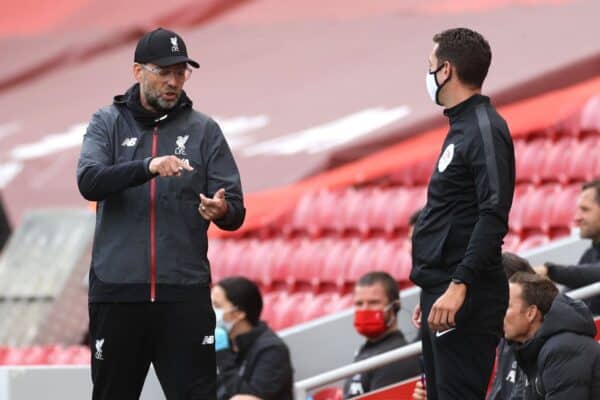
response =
{"points": [[393, 373], [271, 373], [97, 175], [574, 276], [222, 172], [491, 157]]}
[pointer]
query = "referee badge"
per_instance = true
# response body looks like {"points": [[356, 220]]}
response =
{"points": [[446, 158]]}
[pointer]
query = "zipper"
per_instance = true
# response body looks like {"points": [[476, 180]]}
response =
{"points": [[153, 221]]}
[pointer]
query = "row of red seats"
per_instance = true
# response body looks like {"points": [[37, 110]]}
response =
{"points": [[282, 310], [372, 212], [325, 265], [565, 161], [547, 209], [321, 265], [45, 355], [362, 211]]}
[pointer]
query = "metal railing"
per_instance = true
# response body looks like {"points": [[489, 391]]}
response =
{"points": [[301, 388]]}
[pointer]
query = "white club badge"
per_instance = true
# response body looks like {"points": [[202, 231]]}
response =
{"points": [[446, 158]]}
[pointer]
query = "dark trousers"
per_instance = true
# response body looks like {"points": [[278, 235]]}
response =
{"points": [[459, 362], [177, 338]]}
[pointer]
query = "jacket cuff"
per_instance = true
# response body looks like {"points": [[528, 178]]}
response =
{"points": [[464, 274], [147, 161]]}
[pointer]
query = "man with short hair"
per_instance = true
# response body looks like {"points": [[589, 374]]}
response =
{"points": [[554, 340], [160, 173], [457, 240], [376, 305], [587, 271]]}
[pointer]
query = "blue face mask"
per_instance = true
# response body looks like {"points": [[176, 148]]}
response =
{"points": [[221, 323], [433, 88]]}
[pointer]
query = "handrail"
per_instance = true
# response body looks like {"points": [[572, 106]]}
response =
{"points": [[302, 387]]}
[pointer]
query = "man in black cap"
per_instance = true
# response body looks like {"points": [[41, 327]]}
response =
{"points": [[160, 172]]}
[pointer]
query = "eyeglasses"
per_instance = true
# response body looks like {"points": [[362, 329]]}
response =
{"points": [[164, 73]]}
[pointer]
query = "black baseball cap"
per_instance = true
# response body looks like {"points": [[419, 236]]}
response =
{"points": [[163, 48]]}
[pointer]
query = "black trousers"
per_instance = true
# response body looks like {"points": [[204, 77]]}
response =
{"points": [[177, 338], [459, 362]]}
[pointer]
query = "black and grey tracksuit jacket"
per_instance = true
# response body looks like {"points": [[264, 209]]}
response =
{"points": [[150, 241], [459, 233]]}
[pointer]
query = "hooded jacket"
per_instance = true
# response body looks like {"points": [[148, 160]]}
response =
{"points": [[261, 367], [150, 241], [562, 359]]}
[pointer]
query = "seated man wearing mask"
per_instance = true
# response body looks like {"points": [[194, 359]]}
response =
{"points": [[252, 361], [376, 303]]}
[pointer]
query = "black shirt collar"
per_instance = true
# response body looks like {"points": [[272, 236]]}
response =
{"points": [[453, 113], [244, 341]]}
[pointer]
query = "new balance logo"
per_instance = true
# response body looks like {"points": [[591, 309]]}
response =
{"points": [[99, 344], [442, 333], [129, 142], [208, 340]]}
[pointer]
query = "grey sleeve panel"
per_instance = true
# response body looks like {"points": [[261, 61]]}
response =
{"points": [[491, 157]]}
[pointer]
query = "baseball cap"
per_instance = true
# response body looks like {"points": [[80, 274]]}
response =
{"points": [[163, 48]]}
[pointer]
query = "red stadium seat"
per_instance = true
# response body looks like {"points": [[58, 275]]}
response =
{"points": [[582, 164], [562, 210], [530, 160], [352, 204], [537, 209], [338, 257], [511, 243], [518, 208], [314, 213], [329, 393], [533, 241], [556, 160], [278, 265]]}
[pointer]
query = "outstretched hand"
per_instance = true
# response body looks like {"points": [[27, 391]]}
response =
{"points": [[215, 208]]}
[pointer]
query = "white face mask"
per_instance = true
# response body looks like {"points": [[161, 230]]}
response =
{"points": [[220, 322], [433, 88]]}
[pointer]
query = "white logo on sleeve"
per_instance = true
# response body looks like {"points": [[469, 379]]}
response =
{"points": [[129, 142], [174, 45], [180, 145], [446, 158], [208, 340], [99, 344]]}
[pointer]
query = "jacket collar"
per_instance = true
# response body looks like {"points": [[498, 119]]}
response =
{"points": [[131, 100], [244, 341], [455, 112]]}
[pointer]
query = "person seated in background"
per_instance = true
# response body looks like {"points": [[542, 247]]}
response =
{"points": [[252, 361], [509, 381], [553, 339], [587, 271], [376, 305]]}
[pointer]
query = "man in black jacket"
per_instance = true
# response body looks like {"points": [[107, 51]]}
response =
{"points": [[376, 306], [587, 271], [554, 340], [160, 173], [252, 360], [458, 237]]}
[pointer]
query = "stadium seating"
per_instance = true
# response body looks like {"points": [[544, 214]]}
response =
{"points": [[311, 257], [45, 355]]}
